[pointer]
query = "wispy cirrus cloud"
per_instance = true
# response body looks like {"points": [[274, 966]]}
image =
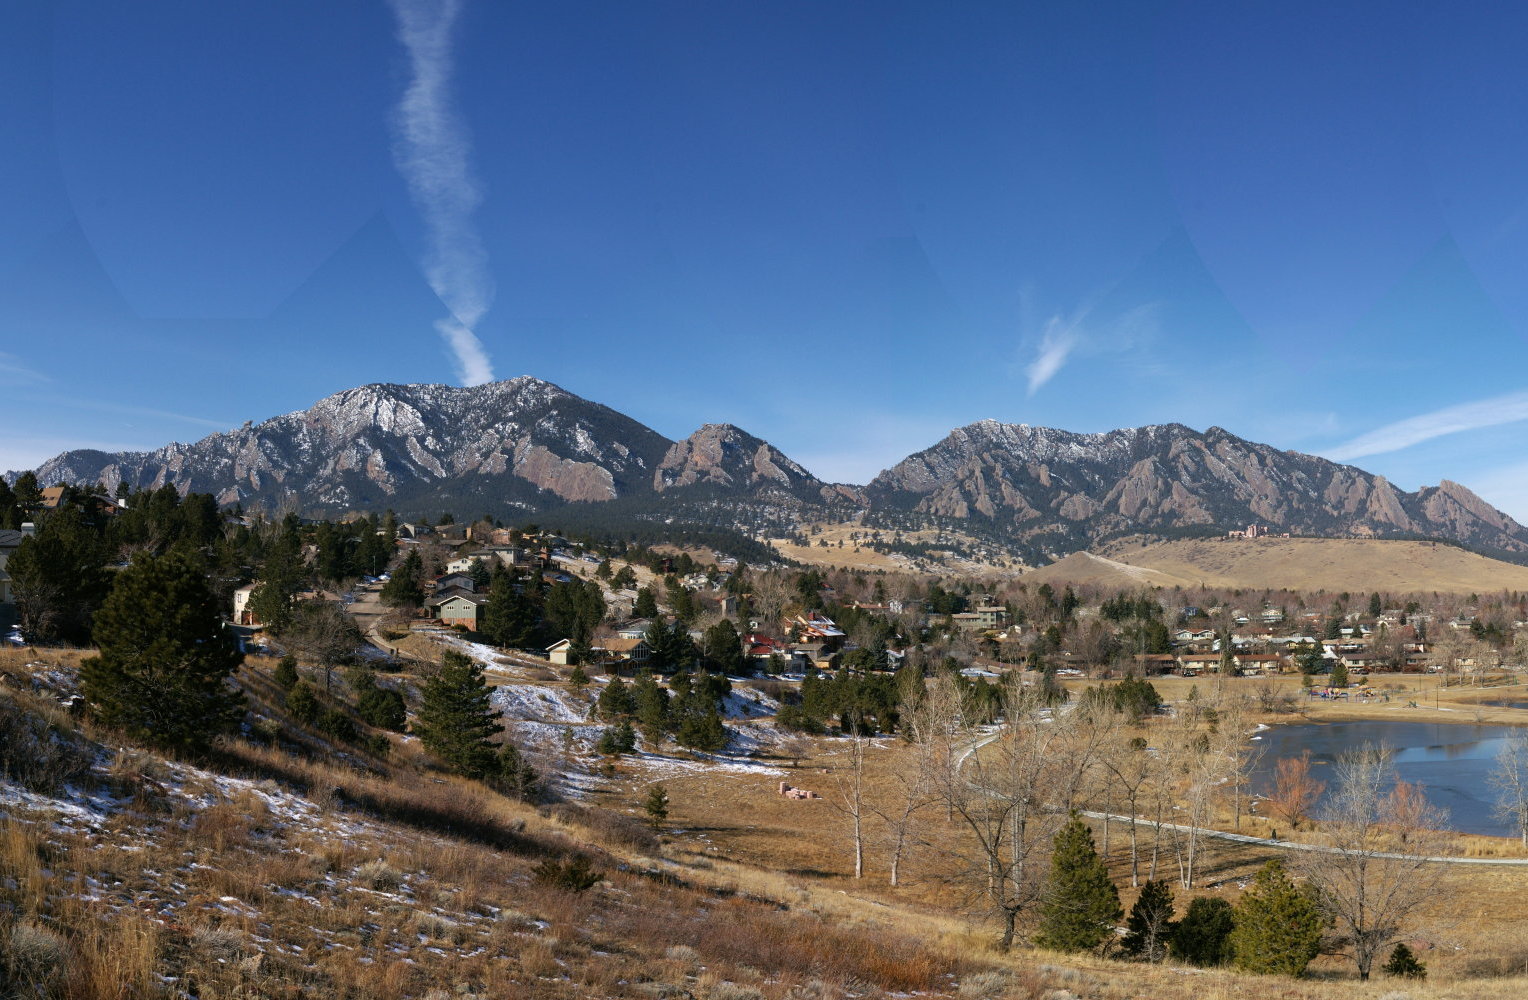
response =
{"points": [[433, 152], [1057, 342], [13, 370], [1062, 336], [1493, 412]]}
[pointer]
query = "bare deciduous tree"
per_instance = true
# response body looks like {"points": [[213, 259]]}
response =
{"points": [[1510, 779], [1002, 792], [849, 790], [1374, 874], [1295, 789]]}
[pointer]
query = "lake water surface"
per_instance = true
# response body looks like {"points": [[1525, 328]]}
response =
{"points": [[1451, 762]]}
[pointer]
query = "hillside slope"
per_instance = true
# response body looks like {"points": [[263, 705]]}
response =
{"points": [[1334, 564]]}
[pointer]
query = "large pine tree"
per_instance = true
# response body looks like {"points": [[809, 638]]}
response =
{"points": [[165, 657], [1150, 923], [1278, 924], [1081, 904], [456, 720]]}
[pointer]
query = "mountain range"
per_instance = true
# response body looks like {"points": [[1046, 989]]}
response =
{"points": [[525, 446]]}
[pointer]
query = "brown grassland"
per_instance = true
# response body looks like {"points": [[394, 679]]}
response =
{"points": [[1305, 564], [292, 868]]}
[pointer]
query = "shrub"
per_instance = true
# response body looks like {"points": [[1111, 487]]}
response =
{"points": [[383, 708], [337, 724], [1202, 937], [286, 672], [1404, 964], [379, 875], [302, 704], [34, 955], [616, 740], [575, 874], [36, 754]]}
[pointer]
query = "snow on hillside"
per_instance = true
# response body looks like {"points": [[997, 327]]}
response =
{"points": [[538, 703]]}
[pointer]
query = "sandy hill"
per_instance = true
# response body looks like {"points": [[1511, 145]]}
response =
{"points": [[1296, 563]]}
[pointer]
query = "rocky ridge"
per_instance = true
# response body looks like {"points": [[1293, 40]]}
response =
{"points": [[527, 445]]}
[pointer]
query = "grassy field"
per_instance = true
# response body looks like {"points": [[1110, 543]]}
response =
{"points": [[278, 871], [1307, 564]]}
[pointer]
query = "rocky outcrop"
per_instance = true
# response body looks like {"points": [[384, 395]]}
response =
{"points": [[724, 455], [1037, 482], [528, 445], [370, 445]]}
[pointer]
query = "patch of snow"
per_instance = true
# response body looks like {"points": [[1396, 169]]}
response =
{"points": [[538, 703]]}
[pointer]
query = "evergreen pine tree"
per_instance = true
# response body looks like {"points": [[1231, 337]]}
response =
{"points": [[281, 576], [383, 708], [1404, 964], [403, 589], [1150, 923], [285, 675], [58, 578], [302, 704], [723, 648], [615, 701], [1203, 936], [646, 605], [700, 725], [509, 618], [1339, 678], [652, 710], [165, 658], [1278, 924], [656, 805], [514, 775], [456, 720], [1081, 904], [662, 651], [578, 679]]}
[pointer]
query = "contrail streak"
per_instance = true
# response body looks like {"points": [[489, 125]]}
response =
{"points": [[433, 152]]}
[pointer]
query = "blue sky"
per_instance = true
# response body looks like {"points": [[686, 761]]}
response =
{"points": [[845, 227]]}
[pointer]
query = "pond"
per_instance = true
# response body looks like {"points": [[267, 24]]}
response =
{"points": [[1451, 762]]}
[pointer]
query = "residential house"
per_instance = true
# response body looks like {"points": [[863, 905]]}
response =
{"points": [[625, 650], [558, 652], [636, 628], [1152, 664], [813, 654], [816, 627], [457, 607], [241, 613], [967, 621], [460, 580], [1192, 664], [1262, 663], [992, 615]]}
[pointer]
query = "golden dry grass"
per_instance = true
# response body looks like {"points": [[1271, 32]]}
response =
{"points": [[862, 558], [1304, 564]]}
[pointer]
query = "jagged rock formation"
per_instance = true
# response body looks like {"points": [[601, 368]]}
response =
{"points": [[1071, 490], [528, 445], [726, 456], [529, 440]]}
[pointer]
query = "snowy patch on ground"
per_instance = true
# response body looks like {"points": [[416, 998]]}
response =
{"points": [[659, 766], [536, 703], [747, 703]]}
